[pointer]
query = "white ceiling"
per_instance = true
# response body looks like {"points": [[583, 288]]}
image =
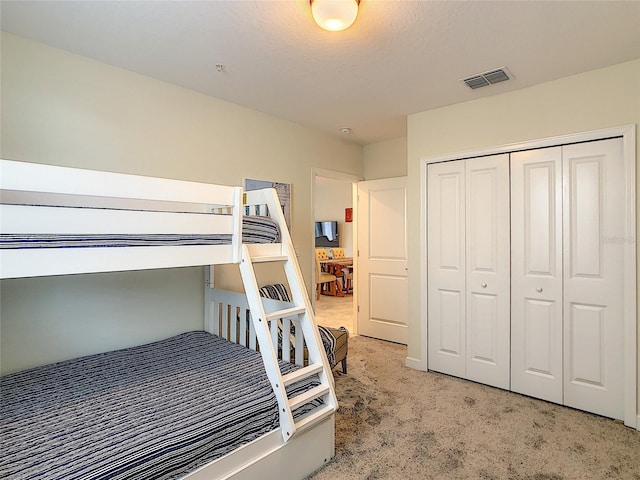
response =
{"points": [[400, 57]]}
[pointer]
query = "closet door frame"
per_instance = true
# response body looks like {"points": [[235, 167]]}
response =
{"points": [[628, 135]]}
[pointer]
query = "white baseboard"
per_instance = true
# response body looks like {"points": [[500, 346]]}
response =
{"points": [[415, 363]]}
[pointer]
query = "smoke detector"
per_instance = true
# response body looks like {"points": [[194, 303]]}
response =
{"points": [[488, 78], [345, 130]]}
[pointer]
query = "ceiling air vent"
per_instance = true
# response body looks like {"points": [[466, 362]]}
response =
{"points": [[487, 78]]}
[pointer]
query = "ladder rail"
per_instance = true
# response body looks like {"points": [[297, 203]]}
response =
{"points": [[266, 326], [299, 293], [310, 329], [263, 334], [299, 313]]}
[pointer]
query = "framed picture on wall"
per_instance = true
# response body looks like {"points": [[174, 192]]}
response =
{"points": [[283, 190]]}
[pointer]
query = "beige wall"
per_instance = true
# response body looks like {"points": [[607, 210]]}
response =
{"points": [[68, 110], [594, 100], [332, 197], [385, 159]]}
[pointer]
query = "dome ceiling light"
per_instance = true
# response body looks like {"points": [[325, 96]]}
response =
{"points": [[334, 15]]}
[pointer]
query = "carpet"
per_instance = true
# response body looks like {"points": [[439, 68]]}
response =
{"points": [[399, 423]]}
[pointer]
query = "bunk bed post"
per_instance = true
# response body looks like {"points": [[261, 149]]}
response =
{"points": [[210, 316], [208, 308], [238, 206]]}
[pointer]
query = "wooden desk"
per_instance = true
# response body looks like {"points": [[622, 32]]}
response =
{"points": [[341, 261]]}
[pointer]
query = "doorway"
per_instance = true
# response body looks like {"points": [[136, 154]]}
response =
{"points": [[333, 203]]}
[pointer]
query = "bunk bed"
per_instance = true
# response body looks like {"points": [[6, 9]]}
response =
{"points": [[225, 402]]}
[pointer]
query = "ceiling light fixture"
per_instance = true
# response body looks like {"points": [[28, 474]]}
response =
{"points": [[334, 15]]}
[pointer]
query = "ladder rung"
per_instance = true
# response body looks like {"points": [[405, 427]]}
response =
{"points": [[308, 396], [302, 373], [274, 258], [287, 312], [314, 417]]}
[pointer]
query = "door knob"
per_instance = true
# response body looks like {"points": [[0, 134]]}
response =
{"points": [[484, 285], [539, 289]]}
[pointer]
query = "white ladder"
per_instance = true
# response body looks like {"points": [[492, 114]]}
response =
{"points": [[317, 359], [264, 327]]}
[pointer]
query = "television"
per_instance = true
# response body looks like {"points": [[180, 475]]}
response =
{"points": [[327, 234]]}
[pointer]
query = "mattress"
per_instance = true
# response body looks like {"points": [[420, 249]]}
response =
{"points": [[155, 411], [258, 229], [255, 229]]}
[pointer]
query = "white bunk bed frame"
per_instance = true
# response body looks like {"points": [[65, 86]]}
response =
{"points": [[296, 448]]}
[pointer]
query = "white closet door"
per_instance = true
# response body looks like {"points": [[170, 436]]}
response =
{"points": [[536, 273], [487, 270], [593, 277], [446, 267]]}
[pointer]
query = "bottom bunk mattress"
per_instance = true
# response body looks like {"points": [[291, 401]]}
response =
{"points": [[155, 411]]}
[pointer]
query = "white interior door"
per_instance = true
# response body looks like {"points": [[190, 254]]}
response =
{"points": [[382, 261], [446, 270], [488, 268], [536, 273], [594, 277]]}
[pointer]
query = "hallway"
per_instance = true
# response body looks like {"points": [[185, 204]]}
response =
{"points": [[335, 312]]}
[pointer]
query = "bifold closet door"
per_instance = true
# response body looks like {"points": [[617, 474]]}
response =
{"points": [[488, 270], [468, 269], [567, 244], [446, 268], [536, 273], [594, 277]]}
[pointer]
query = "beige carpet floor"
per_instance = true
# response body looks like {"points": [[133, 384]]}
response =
{"points": [[399, 423]]}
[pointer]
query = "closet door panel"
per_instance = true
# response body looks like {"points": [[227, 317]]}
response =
{"points": [[449, 305], [536, 273], [540, 330], [446, 267], [487, 270], [482, 333], [594, 277], [586, 336]]}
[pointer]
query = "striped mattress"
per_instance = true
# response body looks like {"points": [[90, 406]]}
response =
{"points": [[255, 229], [155, 411]]}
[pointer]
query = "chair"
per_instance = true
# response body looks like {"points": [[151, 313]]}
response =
{"points": [[338, 253], [323, 278], [348, 280], [334, 340]]}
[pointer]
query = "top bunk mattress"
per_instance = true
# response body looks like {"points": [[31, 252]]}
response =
{"points": [[255, 229], [155, 411]]}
